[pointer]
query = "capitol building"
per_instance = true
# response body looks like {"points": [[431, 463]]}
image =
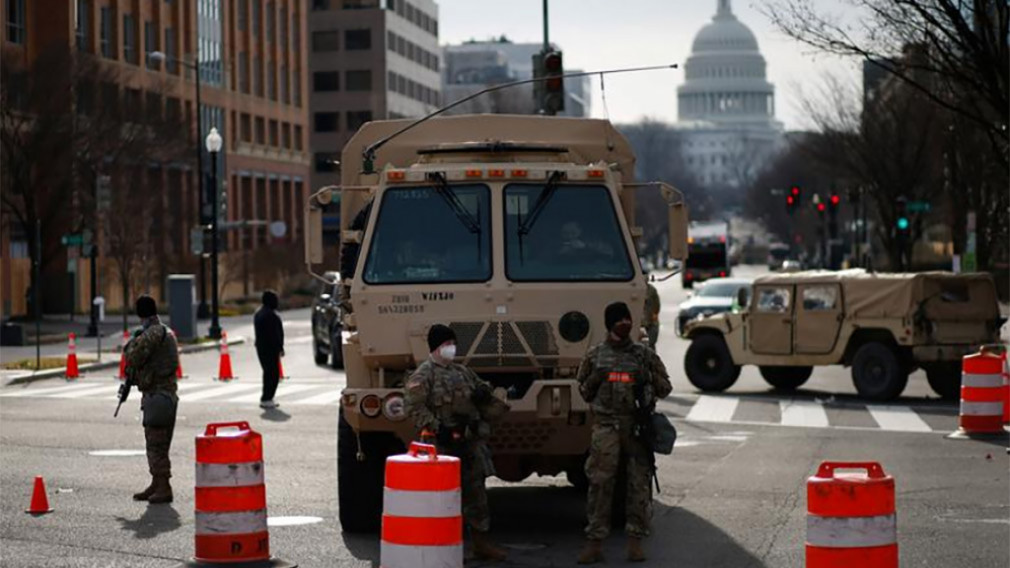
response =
{"points": [[726, 106]]}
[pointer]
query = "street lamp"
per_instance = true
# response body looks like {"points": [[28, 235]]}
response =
{"points": [[214, 143], [158, 56]]}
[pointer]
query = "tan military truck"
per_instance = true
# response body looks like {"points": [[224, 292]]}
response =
{"points": [[884, 326], [516, 231]]}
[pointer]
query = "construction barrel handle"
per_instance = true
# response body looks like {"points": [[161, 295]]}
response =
{"points": [[212, 428], [420, 448], [873, 469]]}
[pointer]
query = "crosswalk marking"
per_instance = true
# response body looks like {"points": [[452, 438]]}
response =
{"points": [[803, 413], [713, 409], [899, 418], [329, 397], [213, 392], [69, 390], [282, 392]]}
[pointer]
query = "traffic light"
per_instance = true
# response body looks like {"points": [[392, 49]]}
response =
{"points": [[821, 208], [901, 215], [790, 204], [796, 194], [554, 87], [833, 202]]}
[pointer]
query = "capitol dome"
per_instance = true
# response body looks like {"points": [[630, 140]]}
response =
{"points": [[725, 76]]}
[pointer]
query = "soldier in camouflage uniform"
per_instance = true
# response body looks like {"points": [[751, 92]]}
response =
{"points": [[151, 358], [650, 319], [451, 403], [607, 377]]}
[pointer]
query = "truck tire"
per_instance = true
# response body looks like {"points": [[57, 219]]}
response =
{"points": [[878, 373], [786, 378], [359, 483], [709, 365], [336, 350], [945, 379], [319, 355]]}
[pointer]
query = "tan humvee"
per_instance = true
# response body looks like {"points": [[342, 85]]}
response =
{"points": [[882, 325], [457, 226]]}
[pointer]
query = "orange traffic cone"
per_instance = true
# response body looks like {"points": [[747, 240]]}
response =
{"points": [[122, 356], [72, 371], [178, 368], [280, 370], [224, 368], [40, 503]]}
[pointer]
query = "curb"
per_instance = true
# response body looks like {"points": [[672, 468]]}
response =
{"points": [[54, 373]]}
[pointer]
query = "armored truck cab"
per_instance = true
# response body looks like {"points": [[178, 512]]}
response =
{"points": [[515, 231]]}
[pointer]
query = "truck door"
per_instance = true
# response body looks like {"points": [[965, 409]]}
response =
{"points": [[771, 320], [818, 318]]}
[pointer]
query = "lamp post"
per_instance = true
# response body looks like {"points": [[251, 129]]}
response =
{"points": [[201, 310], [214, 143]]}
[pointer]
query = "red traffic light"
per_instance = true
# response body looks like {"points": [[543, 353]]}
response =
{"points": [[790, 200], [552, 62], [795, 190], [835, 200], [821, 208]]}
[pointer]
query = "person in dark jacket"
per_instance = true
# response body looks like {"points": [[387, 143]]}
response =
{"points": [[269, 346]]}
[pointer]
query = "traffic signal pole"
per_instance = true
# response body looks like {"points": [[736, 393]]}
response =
{"points": [[547, 41]]}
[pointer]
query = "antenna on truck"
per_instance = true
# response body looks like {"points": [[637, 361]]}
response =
{"points": [[368, 155]]}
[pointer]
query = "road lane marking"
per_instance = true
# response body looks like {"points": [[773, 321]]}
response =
{"points": [[898, 418], [81, 393], [328, 397], [54, 390], [221, 390], [713, 409], [803, 413], [281, 392]]}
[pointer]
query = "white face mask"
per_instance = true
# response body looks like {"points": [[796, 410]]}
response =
{"points": [[447, 352]]}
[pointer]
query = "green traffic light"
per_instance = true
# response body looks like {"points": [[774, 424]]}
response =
{"points": [[903, 223]]}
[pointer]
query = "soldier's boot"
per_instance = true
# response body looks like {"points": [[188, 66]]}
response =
{"points": [[145, 494], [162, 490], [485, 549], [635, 552], [591, 553]]}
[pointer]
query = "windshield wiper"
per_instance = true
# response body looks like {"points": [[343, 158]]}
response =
{"points": [[457, 207], [545, 196]]}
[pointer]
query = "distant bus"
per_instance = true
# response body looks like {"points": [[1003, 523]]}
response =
{"points": [[707, 252]]}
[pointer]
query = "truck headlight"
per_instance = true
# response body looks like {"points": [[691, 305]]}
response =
{"points": [[371, 406], [394, 407]]}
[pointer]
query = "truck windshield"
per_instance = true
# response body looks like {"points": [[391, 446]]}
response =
{"points": [[420, 236], [576, 237], [707, 256]]}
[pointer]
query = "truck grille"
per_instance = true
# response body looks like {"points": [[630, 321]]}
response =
{"points": [[501, 343], [521, 436]]}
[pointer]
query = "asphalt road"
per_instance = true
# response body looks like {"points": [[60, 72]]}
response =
{"points": [[733, 492]]}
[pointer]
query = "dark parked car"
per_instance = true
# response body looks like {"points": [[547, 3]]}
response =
{"points": [[326, 323], [713, 297]]}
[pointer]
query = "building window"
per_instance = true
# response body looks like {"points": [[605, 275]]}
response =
{"points": [[245, 127], [16, 21], [296, 34], [150, 44], [325, 41], [356, 118], [256, 9], [243, 72], [152, 105], [327, 121], [261, 133], [243, 15], [173, 110], [320, 4], [129, 39], [271, 13], [282, 27], [105, 39], [360, 80], [132, 104], [298, 138], [170, 63], [274, 134], [257, 76], [326, 162], [286, 135], [326, 81], [83, 25], [358, 39], [360, 4], [296, 90], [272, 82], [285, 85]]}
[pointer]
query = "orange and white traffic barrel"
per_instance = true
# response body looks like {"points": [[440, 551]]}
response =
{"points": [[982, 393], [231, 502], [422, 522], [1006, 388], [851, 517]]}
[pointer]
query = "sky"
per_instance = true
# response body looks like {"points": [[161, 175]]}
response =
{"points": [[608, 34]]}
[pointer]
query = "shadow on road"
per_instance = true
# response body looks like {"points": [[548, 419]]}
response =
{"points": [[275, 415], [156, 520], [363, 546]]}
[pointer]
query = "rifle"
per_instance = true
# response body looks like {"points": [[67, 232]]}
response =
{"points": [[644, 429], [124, 389]]}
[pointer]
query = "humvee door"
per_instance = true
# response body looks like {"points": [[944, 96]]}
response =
{"points": [[818, 317], [770, 325]]}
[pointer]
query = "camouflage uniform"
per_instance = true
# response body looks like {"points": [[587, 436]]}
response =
{"points": [[606, 379], [440, 399], [650, 318], [152, 357]]}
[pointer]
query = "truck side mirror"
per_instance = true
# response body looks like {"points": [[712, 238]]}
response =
{"points": [[314, 225], [741, 298], [677, 221]]}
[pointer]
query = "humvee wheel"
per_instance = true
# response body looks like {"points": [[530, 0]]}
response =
{"points": [[359, 483], [786, 378], [877, 373], [709, 365], [945, 379], [320, 355]]}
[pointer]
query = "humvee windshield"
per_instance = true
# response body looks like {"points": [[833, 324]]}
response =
{"points": [[575, 237], [431, 234]]}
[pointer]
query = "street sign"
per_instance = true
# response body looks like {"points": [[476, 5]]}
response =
{"points": [[196, 240], [278, 229], [918, 207], [72, 239]]}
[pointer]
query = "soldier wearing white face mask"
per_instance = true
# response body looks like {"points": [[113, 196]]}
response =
{"points": [[451, 404]]}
